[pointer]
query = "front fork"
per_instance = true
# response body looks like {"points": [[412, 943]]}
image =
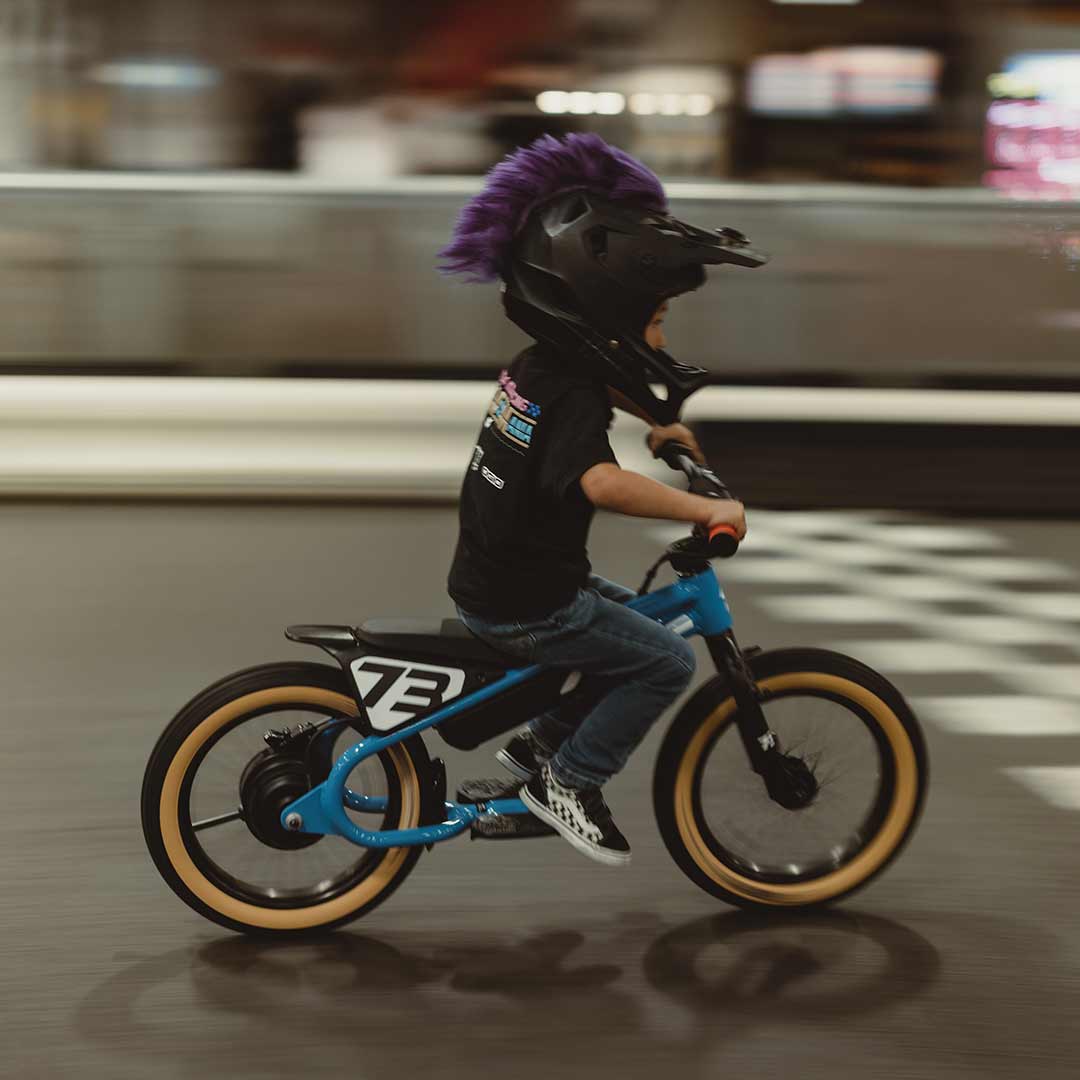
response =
{"points": [[759, 742]]}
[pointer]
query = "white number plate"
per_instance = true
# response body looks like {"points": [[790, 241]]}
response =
{"points": [[394, 691]]}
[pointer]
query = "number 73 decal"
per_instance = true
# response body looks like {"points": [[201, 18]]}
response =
{"points": [[393, 691]]}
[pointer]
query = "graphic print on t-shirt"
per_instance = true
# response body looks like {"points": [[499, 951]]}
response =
{"points": [[524, 520], [512, 416]]}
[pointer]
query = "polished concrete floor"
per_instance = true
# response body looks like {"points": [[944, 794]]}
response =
{"points": [[526, 960]]}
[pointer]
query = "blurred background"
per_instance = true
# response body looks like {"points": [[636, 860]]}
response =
{"points": [[955, 93], [260, 189], [235, 394]]}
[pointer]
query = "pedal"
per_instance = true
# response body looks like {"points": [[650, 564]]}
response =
{"points": [[508, 827], [475, 791], [499, 826]]}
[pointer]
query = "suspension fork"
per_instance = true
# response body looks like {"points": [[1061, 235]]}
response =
{"points": [[758, 741]]}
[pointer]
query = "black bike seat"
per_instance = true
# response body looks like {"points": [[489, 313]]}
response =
{"points": [[449, 639]]}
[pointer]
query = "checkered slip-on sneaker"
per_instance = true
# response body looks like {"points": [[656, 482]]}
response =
{"points": [[523, 755], [580, 816]]}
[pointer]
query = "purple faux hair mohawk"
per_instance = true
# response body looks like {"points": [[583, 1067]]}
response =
{"points": [[532, 174]]}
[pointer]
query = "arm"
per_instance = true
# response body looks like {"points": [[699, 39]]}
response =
{"points": [[624, 492]]}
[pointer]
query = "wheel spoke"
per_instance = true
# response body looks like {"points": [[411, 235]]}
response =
{"points": [[743, 820], [221, 819]]}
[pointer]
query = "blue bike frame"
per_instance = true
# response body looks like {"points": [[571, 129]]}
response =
{"points": [[693, 605]]}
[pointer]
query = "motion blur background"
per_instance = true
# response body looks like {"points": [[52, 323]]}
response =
{"points": [[229, 372], [958, 93], [261, 188]]}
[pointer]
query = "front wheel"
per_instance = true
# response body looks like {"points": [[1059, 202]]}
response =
{"points": [[854, 732]]}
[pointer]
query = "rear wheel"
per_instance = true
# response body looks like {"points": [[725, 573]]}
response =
{"points": [[213, 791], [850, 728]]}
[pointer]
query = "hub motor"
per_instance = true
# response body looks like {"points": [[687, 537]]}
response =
{"points": [[271, 780]]}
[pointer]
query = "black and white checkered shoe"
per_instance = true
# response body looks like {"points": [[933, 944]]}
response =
{"points": [[580, 816], [523, 755]]}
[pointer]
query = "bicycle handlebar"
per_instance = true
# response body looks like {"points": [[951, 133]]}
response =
{"points": [[722, 540], [677, 456]]}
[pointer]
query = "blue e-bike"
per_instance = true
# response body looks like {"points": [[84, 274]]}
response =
{"points": [[788, 780]]}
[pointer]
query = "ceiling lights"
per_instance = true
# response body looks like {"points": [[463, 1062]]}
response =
{"points": [[581, 102], [610, 103]]}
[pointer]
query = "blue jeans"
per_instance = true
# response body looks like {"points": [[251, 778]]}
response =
{"points": [[632, 668]]}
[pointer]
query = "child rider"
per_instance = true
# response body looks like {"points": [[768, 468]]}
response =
{"points": [[580, 235]]}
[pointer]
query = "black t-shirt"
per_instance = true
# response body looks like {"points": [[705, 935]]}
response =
{"points": [[523, 518]]}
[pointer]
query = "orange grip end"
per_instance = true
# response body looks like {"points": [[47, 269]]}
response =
{"points": [[716, 530]]}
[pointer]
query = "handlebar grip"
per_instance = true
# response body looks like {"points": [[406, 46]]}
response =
{"points": [[716, 530], [723, 541]]}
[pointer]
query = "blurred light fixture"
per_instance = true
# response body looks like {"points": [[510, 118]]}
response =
{"points": [[157, 74], [582, 102], [1053, 76], [1004, 84], [835, 3], [665, 91], [553, 101], [609, 103], [1033, 126], [1065, 171], [647, 104], [874, 80]]}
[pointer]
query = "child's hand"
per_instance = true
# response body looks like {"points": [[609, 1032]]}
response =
{"points": [[726, 512], [674, 433]]}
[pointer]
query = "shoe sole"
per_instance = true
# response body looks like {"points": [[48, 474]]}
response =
{"points": [[519, 770], [600, 855]]}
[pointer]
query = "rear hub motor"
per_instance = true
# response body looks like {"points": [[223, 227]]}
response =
{"points": [[271, 780]]}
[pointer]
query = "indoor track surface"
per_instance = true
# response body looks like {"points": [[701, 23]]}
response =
{"points": [[525, 960]]}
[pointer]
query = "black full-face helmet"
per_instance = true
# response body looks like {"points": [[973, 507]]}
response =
{"points": [[586, 275]]}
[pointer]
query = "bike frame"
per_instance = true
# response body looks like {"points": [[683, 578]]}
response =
{"points": [[692, 605]]}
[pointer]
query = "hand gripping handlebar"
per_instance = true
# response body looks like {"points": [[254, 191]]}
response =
{"points": [[721, 541]]}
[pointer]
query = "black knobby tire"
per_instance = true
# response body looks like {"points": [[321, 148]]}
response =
{"points": [[709, 714], [176, 757]]}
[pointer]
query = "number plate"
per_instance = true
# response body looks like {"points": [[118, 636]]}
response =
{"points": [[394, 691]]}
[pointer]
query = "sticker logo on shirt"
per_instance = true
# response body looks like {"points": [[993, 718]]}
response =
{"points": [[491, 478], [512, 416], [477, 454]]}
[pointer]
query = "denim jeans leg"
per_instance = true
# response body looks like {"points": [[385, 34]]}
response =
{"points": [[606, 738], [610, 590], [640, 664], [552, 728], [646, 665]]}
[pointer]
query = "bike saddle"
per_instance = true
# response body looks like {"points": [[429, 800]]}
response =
{"points": [[447, 638]]}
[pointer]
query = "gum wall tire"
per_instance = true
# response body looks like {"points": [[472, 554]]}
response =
{"points": [[704, 716], [304, 684]]}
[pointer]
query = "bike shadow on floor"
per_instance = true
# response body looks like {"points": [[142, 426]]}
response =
{"points": [[826, 964], [623, 991]]}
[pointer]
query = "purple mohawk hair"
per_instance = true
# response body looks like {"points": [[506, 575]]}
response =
{"points": [[532, 174]]}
